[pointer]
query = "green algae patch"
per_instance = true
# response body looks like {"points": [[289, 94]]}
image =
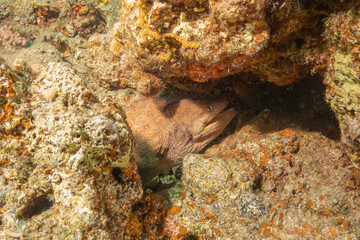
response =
{"points": [[343, 71], [346, 84], [174, 192], [342, 78], [93, 158]]}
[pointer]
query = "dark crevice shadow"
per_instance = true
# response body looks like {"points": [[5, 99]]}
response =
{"points": [[301, 106], [36, 206]]}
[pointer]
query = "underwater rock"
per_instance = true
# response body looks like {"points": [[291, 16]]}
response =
{"points": [[343, 76], [105, 68], [276, 41], [201, 39], [44, 14], [66, 169], [115, 72], [85, 19], [268, 181]]}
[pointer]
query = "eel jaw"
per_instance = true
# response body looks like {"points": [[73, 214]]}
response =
{"points": [[213, 128]]}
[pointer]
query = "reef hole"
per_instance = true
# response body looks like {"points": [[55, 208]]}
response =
{"points": [[36, 206], [116, 172]]}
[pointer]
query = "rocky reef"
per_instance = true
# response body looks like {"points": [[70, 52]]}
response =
{"points": [[343, 76], [60, 148], [277, 41], [286, 168], [262, 182], [199, 39]]}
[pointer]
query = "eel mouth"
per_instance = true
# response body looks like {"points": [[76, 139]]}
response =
{"points": [[221, 120], [213, 128]]}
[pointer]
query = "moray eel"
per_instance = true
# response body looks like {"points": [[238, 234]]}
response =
{"points": [[166, 132]]}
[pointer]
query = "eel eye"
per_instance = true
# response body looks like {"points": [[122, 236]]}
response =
{"points": [[209, 108]]}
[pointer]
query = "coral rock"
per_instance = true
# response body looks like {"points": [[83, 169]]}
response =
{"points": [[201, 40], [67, 168], [263, 182], [343, 77]]}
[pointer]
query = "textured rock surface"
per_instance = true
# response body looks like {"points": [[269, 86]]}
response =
{"points": [[66, 170], [267, 183], [343, 76], [199, 39], [67, 160], [275, 41]]}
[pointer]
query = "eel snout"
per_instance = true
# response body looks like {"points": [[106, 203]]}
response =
{"points": [[213, 128]]}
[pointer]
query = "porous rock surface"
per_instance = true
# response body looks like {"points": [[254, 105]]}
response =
{"points": [[266, 181], [66, 161], [66, 169], [199, 39], [343, 76], [275, 41]]}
